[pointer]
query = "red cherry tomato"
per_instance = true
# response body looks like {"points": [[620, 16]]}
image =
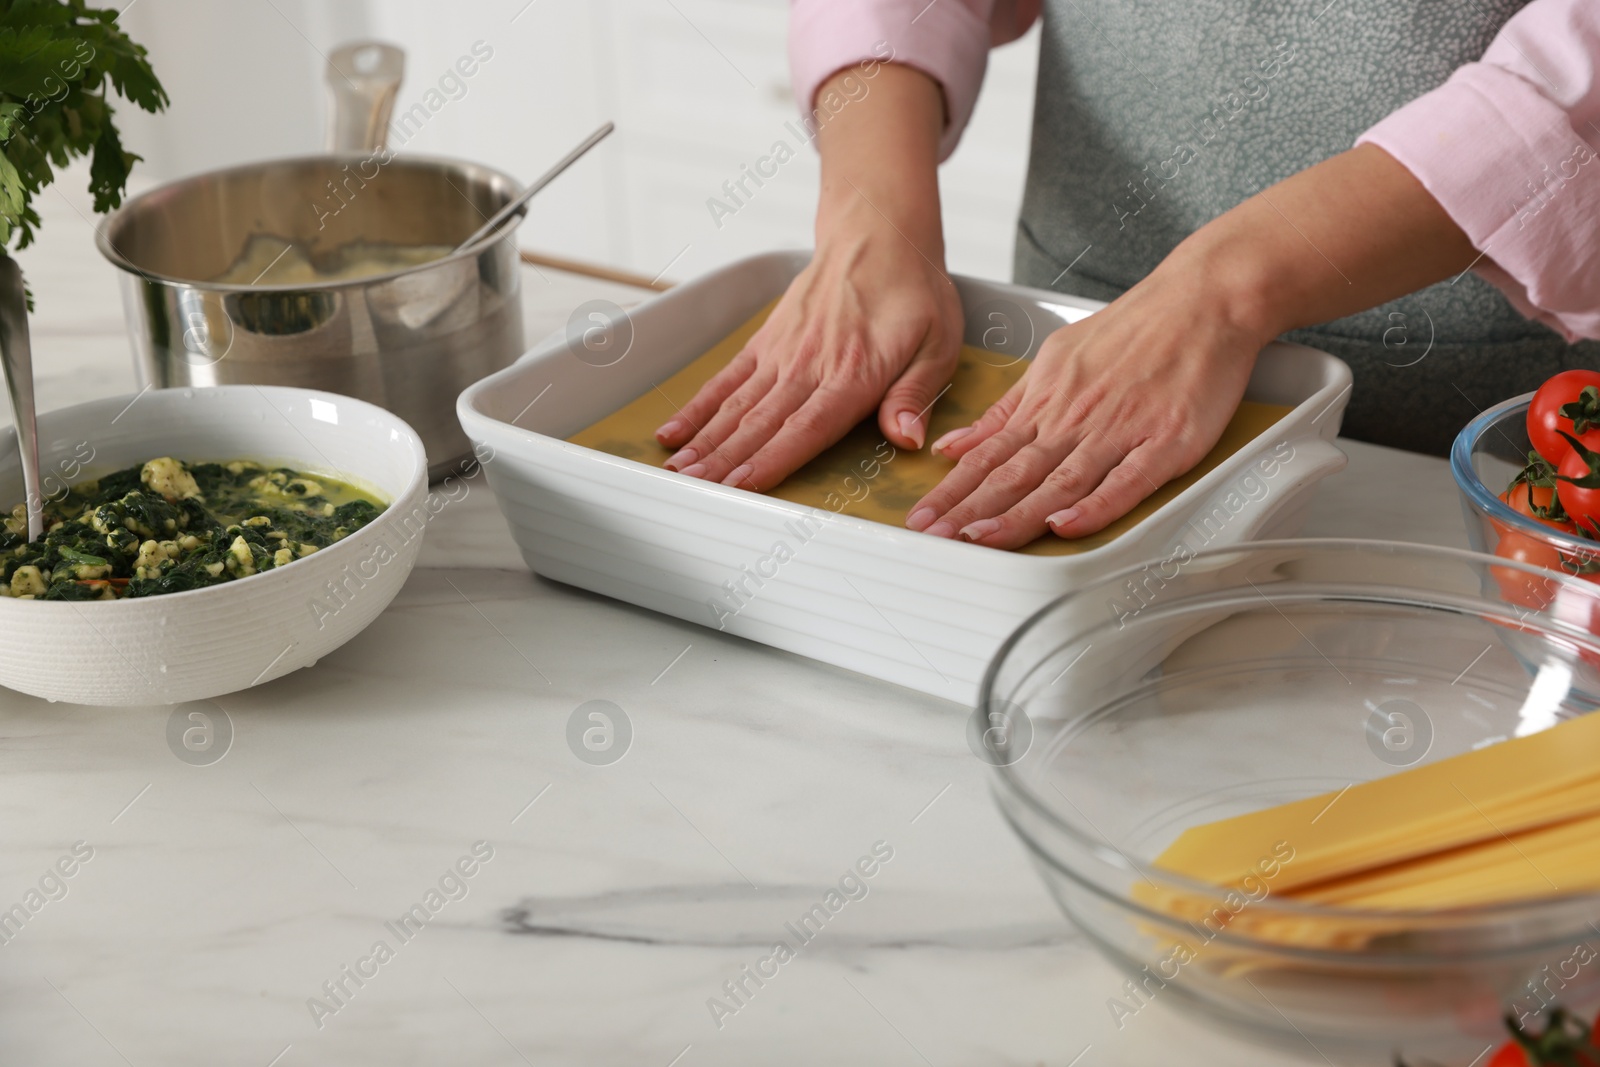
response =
{"points": [[1545, 421], [1581, 505], [1519, 588], [1529, 500], [1565, 1042], [1511, 1055], [1577, 606]]}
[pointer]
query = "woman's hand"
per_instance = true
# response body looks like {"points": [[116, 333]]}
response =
{"points": [[872, 322], [1113, 407], [869, 320], [1118, 404]]}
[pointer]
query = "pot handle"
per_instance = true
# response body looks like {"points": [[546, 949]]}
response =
{"points": [[363, 78]]}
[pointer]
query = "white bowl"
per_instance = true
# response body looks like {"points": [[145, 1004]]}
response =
{"points": [[206, 642], [911, 609]]}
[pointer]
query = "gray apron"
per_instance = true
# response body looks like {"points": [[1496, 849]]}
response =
{"points": [[1155, 116]]}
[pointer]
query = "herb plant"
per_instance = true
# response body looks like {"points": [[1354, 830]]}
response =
{"points": [[59, 59]]}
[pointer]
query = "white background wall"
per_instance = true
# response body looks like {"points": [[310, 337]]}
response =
{"points": [[696, 88]]}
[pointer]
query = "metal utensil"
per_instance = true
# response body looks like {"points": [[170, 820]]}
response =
{"points": [[539, 183], [17, 359]]}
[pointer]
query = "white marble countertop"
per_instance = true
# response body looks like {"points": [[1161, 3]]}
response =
{"points": [[219, 899]]}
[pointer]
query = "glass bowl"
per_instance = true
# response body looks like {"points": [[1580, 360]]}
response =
{"points": [[1486, 455], [1211, 684]]}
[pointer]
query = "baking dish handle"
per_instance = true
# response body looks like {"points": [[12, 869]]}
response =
{"points": [[1314, 459], [1268, 497]]}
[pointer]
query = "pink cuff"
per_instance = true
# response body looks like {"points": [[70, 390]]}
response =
{"points": [[1505, 163], [947, 40]]}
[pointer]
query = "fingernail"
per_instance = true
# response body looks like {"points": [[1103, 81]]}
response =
{"points": [[1063, 517], [911, 426], [951, 438], [740, 473], [680, 459], [977, 531], [920, 519], [695, 471], [669, 428], [941, 529]]}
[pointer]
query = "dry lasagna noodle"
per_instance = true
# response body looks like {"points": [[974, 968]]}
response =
{"points": [[1517, 820], [863, 475]]}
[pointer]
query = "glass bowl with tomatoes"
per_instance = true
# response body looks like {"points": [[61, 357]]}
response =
{"points": [[1529, 474]]}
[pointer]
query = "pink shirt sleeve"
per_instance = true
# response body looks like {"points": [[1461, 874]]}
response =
{"points": [[1507, 147], [948, 40]]}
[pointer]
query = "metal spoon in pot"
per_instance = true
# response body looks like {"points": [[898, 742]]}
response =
{"points": [[17, 360], [539, 183]]}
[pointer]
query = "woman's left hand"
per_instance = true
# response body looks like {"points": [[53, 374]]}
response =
{"points": [[1112, 408], [1116, 405]]}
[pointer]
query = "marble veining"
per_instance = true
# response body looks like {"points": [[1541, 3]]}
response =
{"points": [[736, 915]]}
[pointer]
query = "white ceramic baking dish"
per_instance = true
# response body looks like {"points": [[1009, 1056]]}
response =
{"points": [[911, 609]]}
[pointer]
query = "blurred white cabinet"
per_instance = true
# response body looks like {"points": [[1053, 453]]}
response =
{"points": [[698, 88]]}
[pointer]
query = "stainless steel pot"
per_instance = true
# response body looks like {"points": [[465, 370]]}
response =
{"points": [[409, 340]]}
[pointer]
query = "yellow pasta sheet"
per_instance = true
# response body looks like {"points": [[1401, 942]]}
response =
{"points": [[1504, 788], [863, 475], [1518, 820], [1555, 860]]}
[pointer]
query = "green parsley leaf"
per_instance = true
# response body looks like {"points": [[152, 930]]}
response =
{"points": [[59, 61]]}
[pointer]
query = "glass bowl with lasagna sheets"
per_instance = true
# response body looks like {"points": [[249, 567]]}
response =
{"points": [[1328, 793]]}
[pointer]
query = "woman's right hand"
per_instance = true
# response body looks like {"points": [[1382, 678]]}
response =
{"points": [[873, 322], [870, 323]]}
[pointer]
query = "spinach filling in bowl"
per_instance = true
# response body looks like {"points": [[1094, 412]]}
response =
{"points": [[166, 527]]}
